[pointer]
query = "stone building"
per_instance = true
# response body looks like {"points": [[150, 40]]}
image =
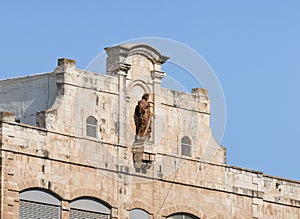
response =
{"points": [[69, 149]]}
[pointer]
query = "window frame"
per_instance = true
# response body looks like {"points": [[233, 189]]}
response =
{"points": [[91, 125], [186, 144], [182, 216], [40, 197], [133, 213], [90, 205]]}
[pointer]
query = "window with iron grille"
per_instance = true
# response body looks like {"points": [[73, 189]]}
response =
{"points": [[138, 214], [91, 127], [36, 204], [182, 216], [35, 210], [78, 214], [186, 146], [89, 208]]}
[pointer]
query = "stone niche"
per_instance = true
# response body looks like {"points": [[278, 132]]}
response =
{"points": [[142, 75]]}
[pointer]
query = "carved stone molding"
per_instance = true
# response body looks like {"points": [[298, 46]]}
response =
{"points": [[119, 54], [157, 76]]}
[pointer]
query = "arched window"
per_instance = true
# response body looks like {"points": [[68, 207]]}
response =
{"points": [[91, 127], [182, 216], [89, 208], [36, 203], [138, 214], [186, 146]]}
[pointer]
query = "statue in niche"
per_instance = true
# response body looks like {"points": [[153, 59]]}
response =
{"points": [[142, 119]]}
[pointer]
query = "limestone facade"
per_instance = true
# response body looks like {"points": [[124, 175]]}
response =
{"points": [[70, 133]]}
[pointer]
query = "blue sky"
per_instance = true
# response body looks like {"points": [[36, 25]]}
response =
{"points": [[252, 46]]}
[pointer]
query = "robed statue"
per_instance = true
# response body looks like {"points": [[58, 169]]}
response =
{"points": [[142, 119]]}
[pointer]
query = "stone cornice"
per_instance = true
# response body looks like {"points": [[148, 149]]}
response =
{"points": [[125, 50]]}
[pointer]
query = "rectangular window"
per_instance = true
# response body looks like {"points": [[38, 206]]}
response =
{"points": [[186, 149]]}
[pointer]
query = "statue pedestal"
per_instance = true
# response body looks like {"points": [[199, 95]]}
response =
{"points": [[143, 152]]}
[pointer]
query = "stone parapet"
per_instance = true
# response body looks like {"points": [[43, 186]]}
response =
{"points": [[7, 116]]}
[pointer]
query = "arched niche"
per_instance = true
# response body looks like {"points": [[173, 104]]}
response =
{"points": [[135, 91]]}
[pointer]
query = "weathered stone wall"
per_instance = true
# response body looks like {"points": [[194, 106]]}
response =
{"points": [[111, 99], [72, 167], [28, 95], [57, 155]]}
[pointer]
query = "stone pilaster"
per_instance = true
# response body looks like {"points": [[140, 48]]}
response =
{"points": [[157, 75], [7, 116], [121, 74], [65, 210], [65, 65]]}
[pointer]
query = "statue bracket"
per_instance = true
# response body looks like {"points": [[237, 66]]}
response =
{"points": [[143, 152]]}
